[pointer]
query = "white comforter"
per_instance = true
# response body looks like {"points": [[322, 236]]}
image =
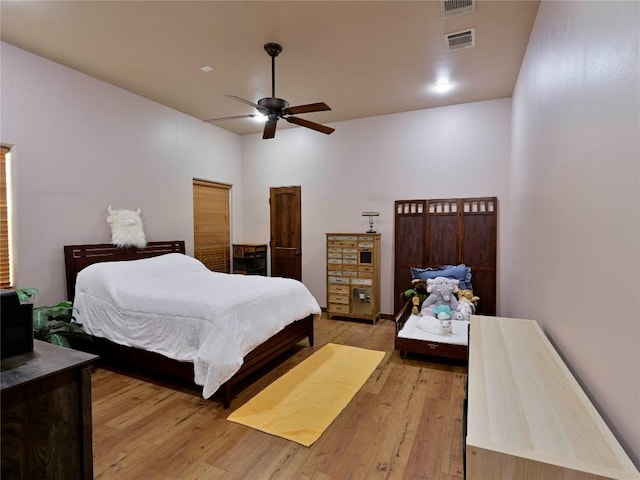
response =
{"points": [[432, 333], [175, 306]]}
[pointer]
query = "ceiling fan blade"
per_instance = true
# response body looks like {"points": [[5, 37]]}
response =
{"points": [[312, 125], [250, 103], [270, 128], [251, 115], [311, 107]]}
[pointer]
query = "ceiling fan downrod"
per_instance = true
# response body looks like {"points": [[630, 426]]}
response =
{"points": [[273, 49]]}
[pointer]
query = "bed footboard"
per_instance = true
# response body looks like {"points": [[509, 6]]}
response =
{"points": [[128, 358]]}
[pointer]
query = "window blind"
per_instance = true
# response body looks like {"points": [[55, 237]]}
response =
{"points": [[5, 261], [212, 233]]}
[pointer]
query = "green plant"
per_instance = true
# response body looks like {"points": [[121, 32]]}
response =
{"points": [[54, 323]]}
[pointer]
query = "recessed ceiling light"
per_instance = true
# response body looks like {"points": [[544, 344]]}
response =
{"points": [[442, 87], [206, 68]]}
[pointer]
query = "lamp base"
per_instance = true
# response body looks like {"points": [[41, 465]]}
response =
{"points": [[371, 230]]}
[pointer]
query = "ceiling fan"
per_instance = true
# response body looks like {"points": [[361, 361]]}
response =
{"points": [[275, 108]]}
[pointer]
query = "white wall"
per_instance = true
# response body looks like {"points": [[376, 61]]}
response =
{"points": [[367, 164], [574, 257], [80, 145]]}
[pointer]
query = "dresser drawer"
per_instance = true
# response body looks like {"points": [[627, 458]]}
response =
{"points": [[341, 237], [337, 298], [344, 289], [365, 271], [338, 308], [334, 273], [339, 280], [337, 261]]}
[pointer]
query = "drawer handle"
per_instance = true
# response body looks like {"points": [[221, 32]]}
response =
{"points": [[432, 346]]}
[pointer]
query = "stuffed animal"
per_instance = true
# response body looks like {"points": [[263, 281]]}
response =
{"points": [[439, 324], [464, 311], [442, 312], [468, 296], [442, 292], [126, 228], [418, 291]]}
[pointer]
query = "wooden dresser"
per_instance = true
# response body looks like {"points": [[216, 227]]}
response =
{"points": [[527, 417], [353, 275], [46, 414]]}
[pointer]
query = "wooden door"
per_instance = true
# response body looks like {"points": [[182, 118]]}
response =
{"points": [[211, 225], [286, 232]]}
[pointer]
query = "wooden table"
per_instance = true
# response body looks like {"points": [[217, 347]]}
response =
{"points": [[46, 414], [527, 417]]}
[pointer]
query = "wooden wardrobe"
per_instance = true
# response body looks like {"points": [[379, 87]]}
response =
{"points": [[431, 233]]}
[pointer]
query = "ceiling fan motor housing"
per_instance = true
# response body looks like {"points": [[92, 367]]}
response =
{"points": [[276, 105]]}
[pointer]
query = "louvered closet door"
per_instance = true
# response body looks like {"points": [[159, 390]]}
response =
{"points": [[212, 237]]}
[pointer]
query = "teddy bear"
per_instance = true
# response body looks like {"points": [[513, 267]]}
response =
{"points": [[468, 296], [442, 292], [464, 311], [418, 293]]}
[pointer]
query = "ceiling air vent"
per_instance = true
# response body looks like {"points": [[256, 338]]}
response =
{"points": [[463, 39], [457, 7]]}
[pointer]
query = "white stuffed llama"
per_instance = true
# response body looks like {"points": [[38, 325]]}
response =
{"points": [[126, 228]]}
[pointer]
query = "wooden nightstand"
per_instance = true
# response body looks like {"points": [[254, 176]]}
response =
{"points": [[46, 414], [250, 259]]}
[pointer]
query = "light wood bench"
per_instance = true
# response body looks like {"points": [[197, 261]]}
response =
{"points": [[527, 416]]}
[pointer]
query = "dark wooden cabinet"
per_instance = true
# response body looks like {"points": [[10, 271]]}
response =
{"points": [[250, 259], [431, 233], [46, 414]]}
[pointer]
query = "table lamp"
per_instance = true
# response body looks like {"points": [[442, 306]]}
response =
{"points": [[371, 215]]}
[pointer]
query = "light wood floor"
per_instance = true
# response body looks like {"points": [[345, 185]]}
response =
{"points": [[405, 423]]}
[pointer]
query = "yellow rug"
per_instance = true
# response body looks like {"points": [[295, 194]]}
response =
{"points": [[301, 404]]}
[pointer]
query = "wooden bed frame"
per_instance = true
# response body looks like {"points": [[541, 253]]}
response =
{"points": [[78, 257], [422, 347], [430, 233]]}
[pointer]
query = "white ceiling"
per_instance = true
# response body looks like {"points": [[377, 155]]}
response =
{"points": [[361, 58]]}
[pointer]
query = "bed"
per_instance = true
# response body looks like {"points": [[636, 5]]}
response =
{"points": [[411, 339], [444, 235], [130, 300]]}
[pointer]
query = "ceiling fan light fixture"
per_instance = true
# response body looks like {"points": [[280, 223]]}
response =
{"points": [[442, 87]]}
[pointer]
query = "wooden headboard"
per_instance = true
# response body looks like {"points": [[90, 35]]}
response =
{"points": [[77, 257], [430, 233]]}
